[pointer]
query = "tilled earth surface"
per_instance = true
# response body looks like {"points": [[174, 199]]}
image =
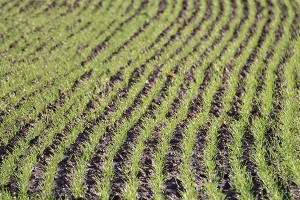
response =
{"points": [[171, 99]]}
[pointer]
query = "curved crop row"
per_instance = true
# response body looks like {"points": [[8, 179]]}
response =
{"points": [[164, 99]]}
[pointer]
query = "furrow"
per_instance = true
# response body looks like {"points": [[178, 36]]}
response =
{"points": [[98, 164], [165, 99], [102, 45], [198, 165], [170, 132], [246, 107], [54, 79], [10, 119], [121, 156]]}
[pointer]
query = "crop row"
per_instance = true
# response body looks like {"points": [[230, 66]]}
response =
{"points": [[150, 99]]}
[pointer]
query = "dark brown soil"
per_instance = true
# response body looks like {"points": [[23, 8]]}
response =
{"points": [[121, 87]]}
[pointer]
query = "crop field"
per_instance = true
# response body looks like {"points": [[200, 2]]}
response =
{"points": [[150, 99]]}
